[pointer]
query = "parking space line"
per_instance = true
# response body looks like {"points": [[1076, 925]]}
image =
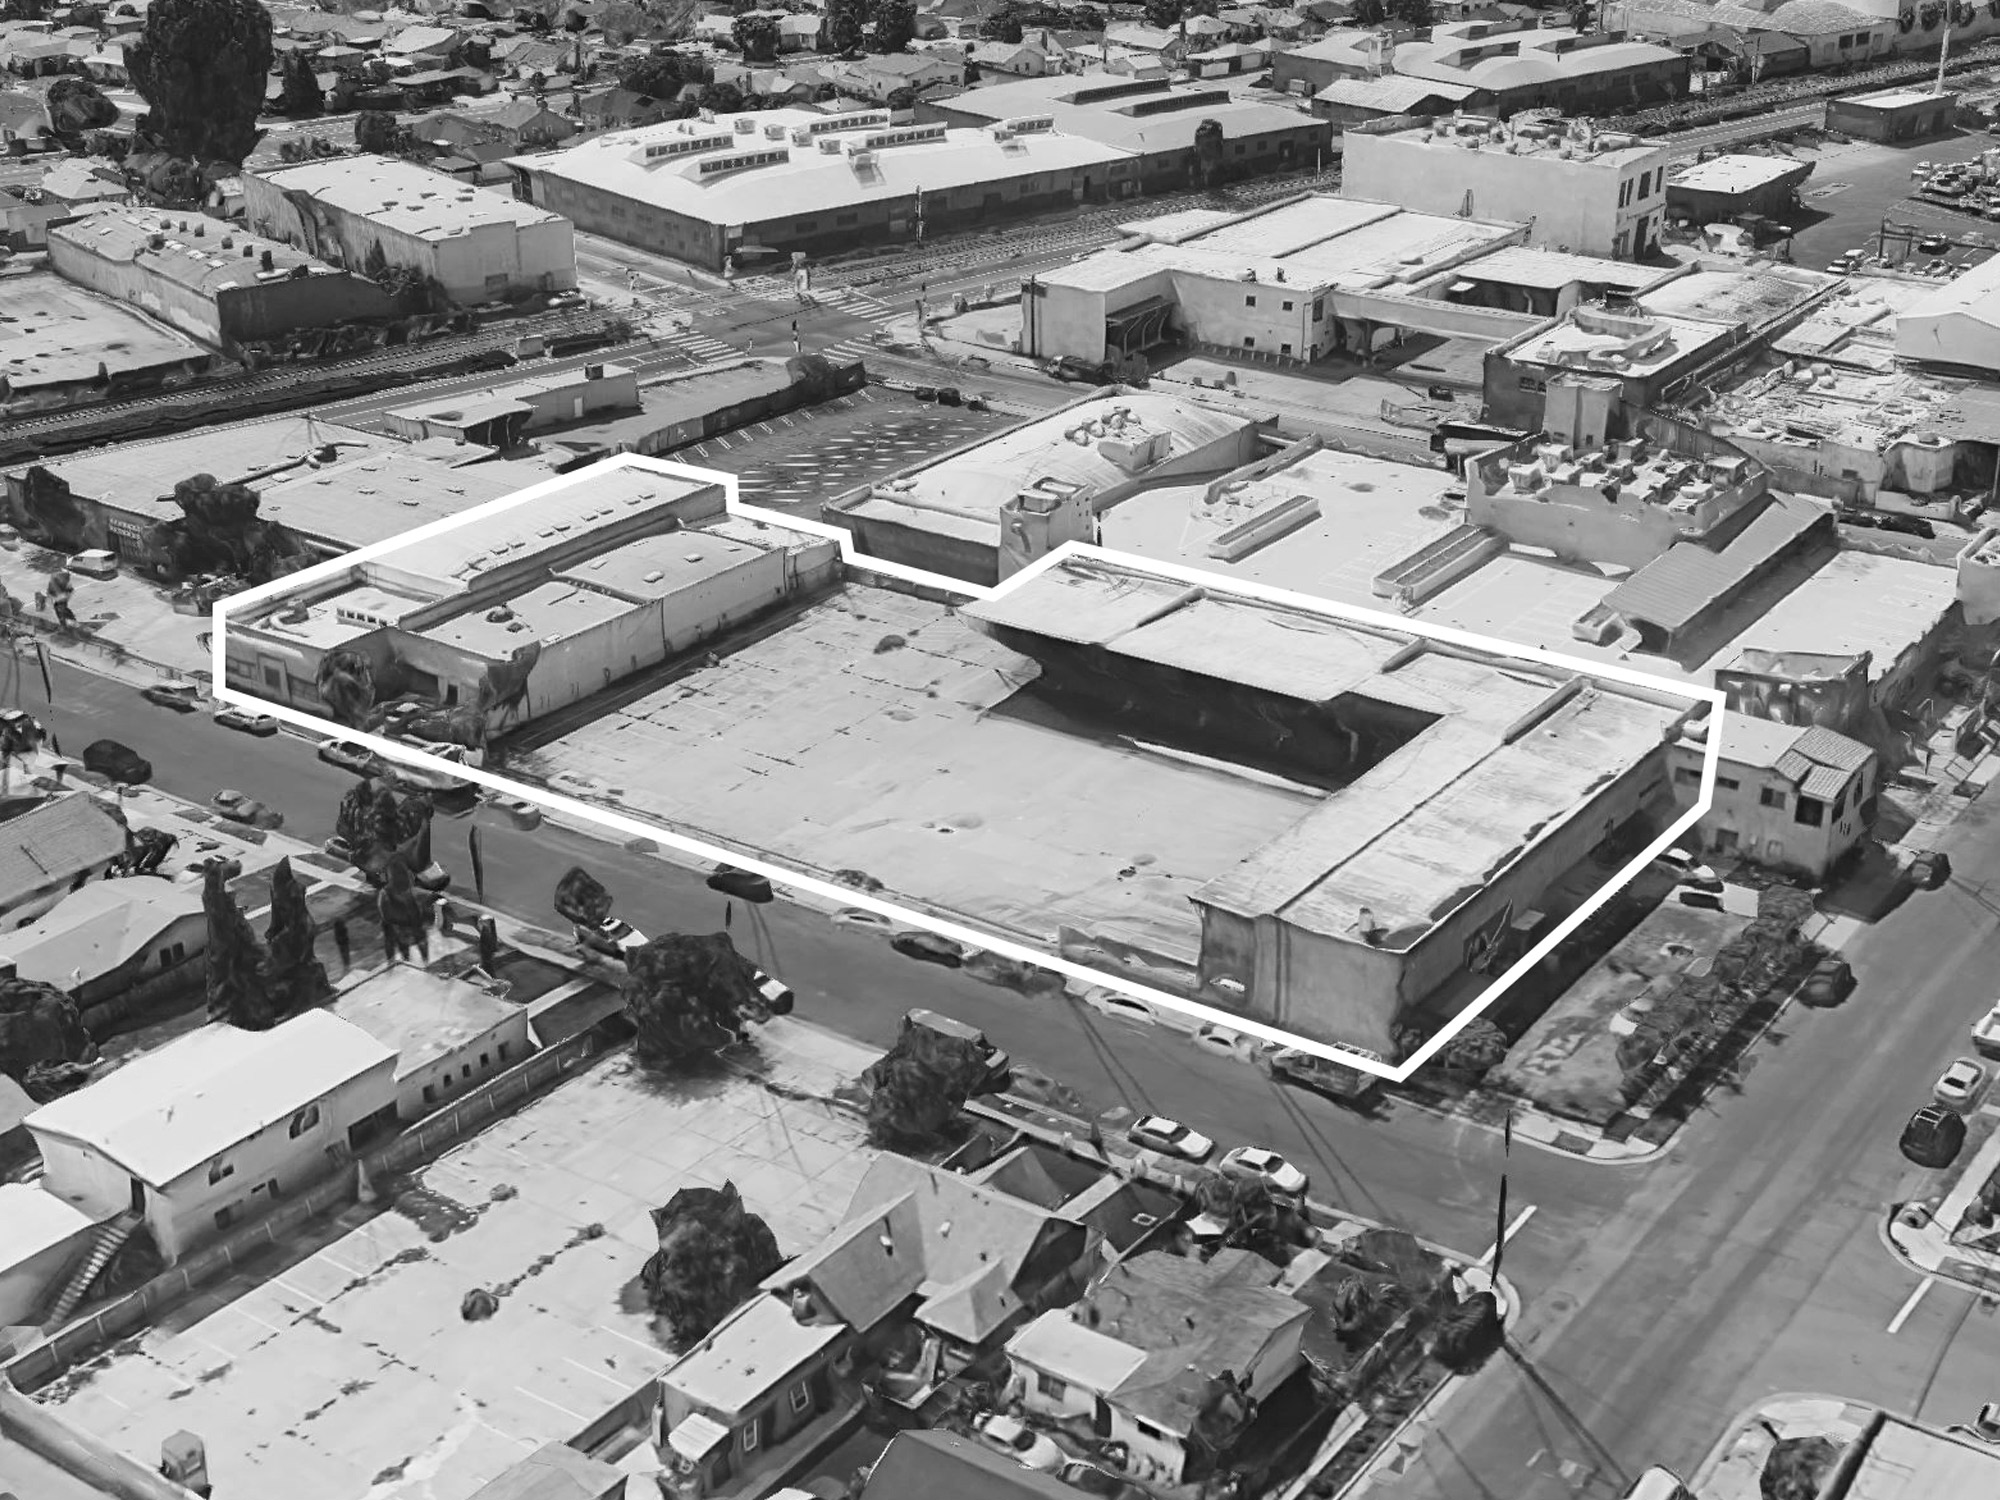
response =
{"points": [[1520, 1222], [1903, 1313], [604, 1375], [650, 1351], [573, 1416]]}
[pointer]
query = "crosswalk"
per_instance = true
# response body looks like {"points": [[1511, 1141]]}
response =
{"points": [[697, 346]]}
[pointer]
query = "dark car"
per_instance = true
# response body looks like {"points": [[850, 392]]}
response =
{"points": [[116, 762], [1069, 367], [742, 884], [928, 947], [1930, 871], [1890, 520], [1830, 982], [1936, 244], [1091, 1480], [1934, 1137]]}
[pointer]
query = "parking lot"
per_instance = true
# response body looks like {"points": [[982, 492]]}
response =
{"points": [[1855, 186]]}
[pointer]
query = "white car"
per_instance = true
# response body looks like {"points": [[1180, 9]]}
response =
{"points": [[1690, 871], [1267, 1167], [1986, 1033], [250, 722], [1020, 1442], [1170, 1138], [1962, 1084], [775, 992], [621, 934]]}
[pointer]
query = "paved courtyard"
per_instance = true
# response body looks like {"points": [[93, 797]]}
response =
{"points": [[342, 1369]]}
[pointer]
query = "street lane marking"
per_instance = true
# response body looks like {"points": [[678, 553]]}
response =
{"points": [[1520, 1219], [1903, 1315]]}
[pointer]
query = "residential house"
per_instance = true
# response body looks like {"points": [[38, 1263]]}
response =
{"points": [[424, 46], [1230, 57], [520, 124], [1789, 796], [111, 935], [1168, 46], [761, 1376], [35, 54], [878, 77], [921, 1465], [23, 117], [106, 66], [210, 1129], [449, 1034], [532, 57], [1146, 1350], [1012, 59], [800, 33], [41, 1237], [53, 848], [1205, 31], [621, 109]]}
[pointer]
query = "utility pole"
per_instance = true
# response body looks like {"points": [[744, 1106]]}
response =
{"points": [[1944, 51]]}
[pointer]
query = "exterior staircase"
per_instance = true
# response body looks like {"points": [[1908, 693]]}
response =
{"points": [[110, 1239]]}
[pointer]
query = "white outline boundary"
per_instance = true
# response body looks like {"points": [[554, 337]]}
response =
{"points": [[631, 828]]}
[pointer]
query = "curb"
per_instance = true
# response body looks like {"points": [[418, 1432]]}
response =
{"points": [[1705, 1471]]}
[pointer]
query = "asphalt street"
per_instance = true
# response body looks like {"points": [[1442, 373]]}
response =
{"points": [[1662, 1299]]}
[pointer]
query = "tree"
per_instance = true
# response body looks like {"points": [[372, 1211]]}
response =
{"points": [[296, 978], [622, 22], [713, 1253], [76, 105], [1369, 13], [1796, 1468], [688, 997], [376, 131], [220, 531], [1085, 18], [346, 682], [902, 99], [302, 98], [895, 25], [723, 98], [1416, 13], [582, 898], [846, 24], [1481, 1046], [236, 960], [657, 77], [202, 66], [39, 1024], [1002, 26], [1254, 1218], [919, 1086], [1163, 15], [1208, 151], [756, 37]]}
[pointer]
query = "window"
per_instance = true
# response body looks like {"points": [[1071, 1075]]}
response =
{"points": [[1249, 301], [1249, 343], [1319, 309], [750, 1436], [430, 1093], [1051, 1387], [1624, 194], [224, 1217], [505, 1048], [1727, 783], [1771, 796], [804, 226], [306, 1119], [483, 1058], [466, 1071], [1284, 348], [1288, 307], [497, 282], [1809, 811], [801, 1398], [843, 221], [1686, 775], [219, 1169]]}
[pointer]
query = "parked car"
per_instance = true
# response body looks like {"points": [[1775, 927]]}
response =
{"points": [[238, 808], [179, 696], [742, 884], [351, 756], [1071, 368], [1109, 1002], [521, 812], [1937, 244], [1020, 1442], [929, 948], [1831, 981], [1689, 871], [615, 933], [95, 563], [1961, 1086], [1929, 871], [1170, 1138], [231, 717], [337, 848], [1986, 1033], [116, 762], [1934, 1136], [1080, 1474], [1267, 1167], [776, 993]]}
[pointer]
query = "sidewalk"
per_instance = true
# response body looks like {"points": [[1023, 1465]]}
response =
{"points": [[1936, 1241], [1733, 1468]]}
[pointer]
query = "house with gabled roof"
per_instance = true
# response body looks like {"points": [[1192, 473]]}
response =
{"points": [[1794, 797], [1154, 1346], [52, 849]]}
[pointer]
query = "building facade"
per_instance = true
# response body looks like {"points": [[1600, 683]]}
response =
{"points": [[474, 246], [1577, 189], [1794, 798]]}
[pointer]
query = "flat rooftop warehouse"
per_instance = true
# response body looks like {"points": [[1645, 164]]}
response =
{"points": [[63, 335], [406, 199]]}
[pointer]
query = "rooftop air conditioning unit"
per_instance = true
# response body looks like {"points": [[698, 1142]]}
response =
{"points": [[862, 159], [774, 132], [746, 125], [832, 145]]}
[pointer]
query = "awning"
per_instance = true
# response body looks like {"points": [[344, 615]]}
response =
{"points": [[697, 1436]]}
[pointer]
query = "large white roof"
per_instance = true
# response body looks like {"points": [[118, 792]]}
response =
{"points": [[409, 199], [805, 179], [166, 1113]]}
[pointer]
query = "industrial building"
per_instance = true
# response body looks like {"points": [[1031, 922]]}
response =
{"points": [[711, 191], [1955, 325], [1723, 188], [1575, 187], [605, 578], [1893, 115], [224, 286], [472, 245]]}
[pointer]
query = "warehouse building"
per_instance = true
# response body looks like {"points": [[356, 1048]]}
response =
{"points": [[362, 211], [225, 287], [711, 191], [1576, 188], [1723, 188]]}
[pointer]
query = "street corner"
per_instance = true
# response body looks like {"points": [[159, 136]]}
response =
{"points": [[1954, 1236]]}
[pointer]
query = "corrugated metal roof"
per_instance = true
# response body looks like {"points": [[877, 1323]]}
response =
{"points": [[1824, 782], [1829, 747], [1674, 588], [54, 843]]}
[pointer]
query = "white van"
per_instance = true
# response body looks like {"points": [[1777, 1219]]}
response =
{"points": [[96, 563]]}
